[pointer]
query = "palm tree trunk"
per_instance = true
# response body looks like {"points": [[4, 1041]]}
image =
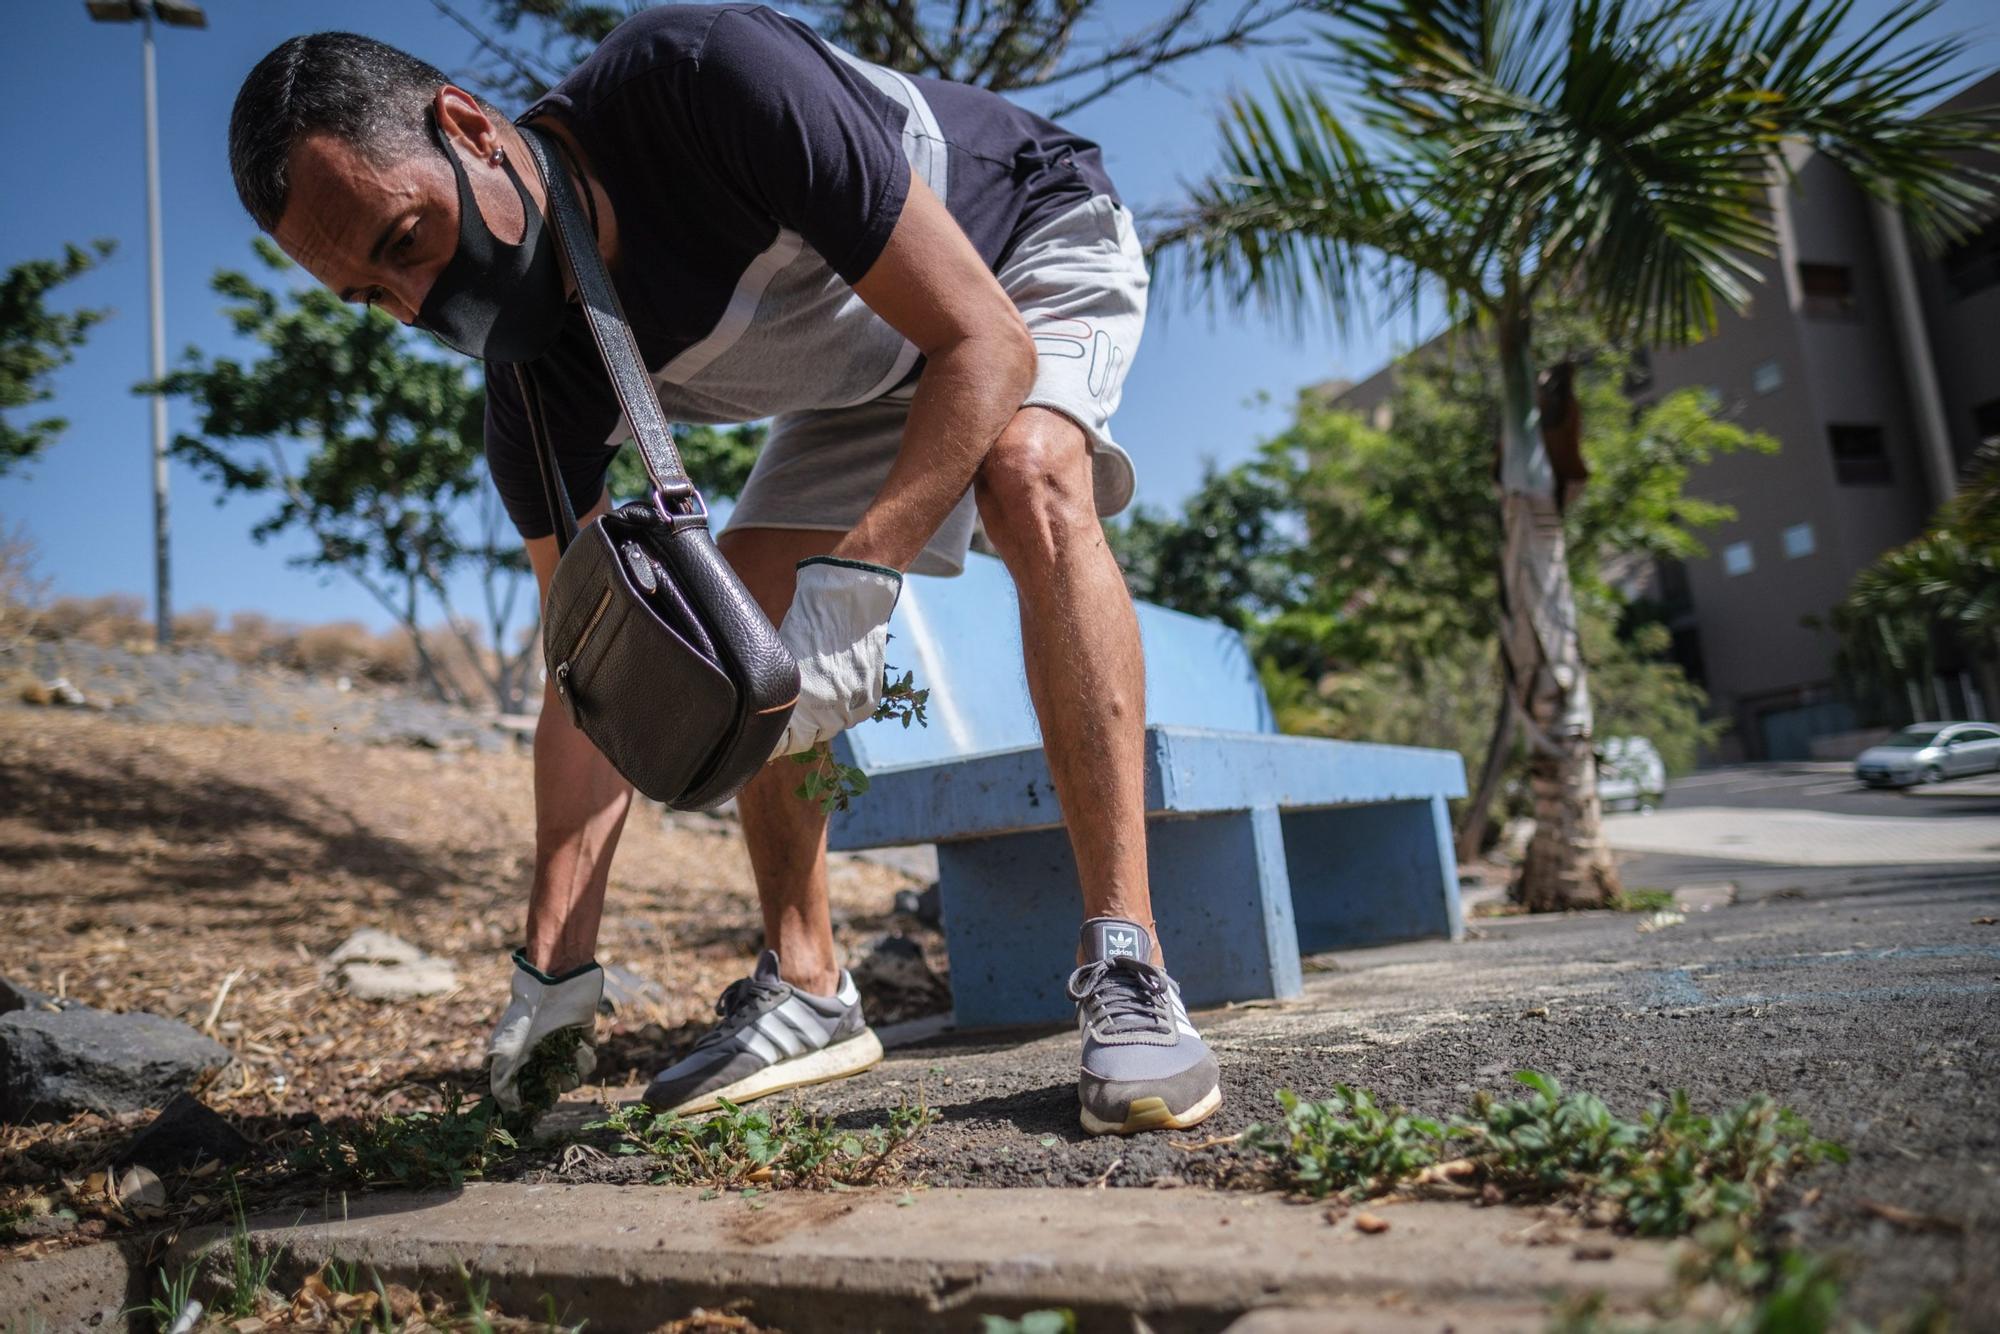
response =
{"points": [[1568, 864]]}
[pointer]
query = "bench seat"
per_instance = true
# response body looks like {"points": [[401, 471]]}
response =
{"points": [[1260, 846]]}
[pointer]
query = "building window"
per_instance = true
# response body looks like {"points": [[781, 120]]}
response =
{"points": [[1766, 378], [1986, 424], [1384, 416], [1737, 559], [1799, 541], [1828, 291], [1973, 265], [1860, 457]]}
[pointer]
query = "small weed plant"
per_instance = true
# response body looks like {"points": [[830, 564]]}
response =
{"points": [[1347, 1145], [1665, 1174], [409, 1149], [736, 1147], [1643, 900], [446, 1146], [170, 1297]]}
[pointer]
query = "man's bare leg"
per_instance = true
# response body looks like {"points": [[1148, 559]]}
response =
{"points": [[1144, 1067], [1080, 637], [786, 836]]}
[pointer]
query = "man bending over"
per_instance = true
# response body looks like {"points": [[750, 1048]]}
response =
{"points": [[864, 258]]}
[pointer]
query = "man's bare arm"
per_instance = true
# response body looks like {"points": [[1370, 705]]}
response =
{"points": [[932, 286], [580, 805]]}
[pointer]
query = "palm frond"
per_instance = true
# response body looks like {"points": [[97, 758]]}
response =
{"points": [[1300, 220]]}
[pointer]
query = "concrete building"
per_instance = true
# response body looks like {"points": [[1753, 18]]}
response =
{"points": [[1877, 368]]}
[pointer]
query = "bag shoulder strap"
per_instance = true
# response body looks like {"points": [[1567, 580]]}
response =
{"points": [[629, 379], [555, 491]]}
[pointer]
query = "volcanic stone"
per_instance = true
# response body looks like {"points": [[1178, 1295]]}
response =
{"points": [[185, 1132], [56, 1063]]}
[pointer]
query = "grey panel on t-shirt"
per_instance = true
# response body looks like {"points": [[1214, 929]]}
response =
{"points": [[756, 173]]}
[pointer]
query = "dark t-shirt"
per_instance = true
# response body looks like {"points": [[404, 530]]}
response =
{"points": [[756, 173]]}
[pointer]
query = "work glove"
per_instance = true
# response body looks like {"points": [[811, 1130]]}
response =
{"points": [[542, 1005], [837, 629]]}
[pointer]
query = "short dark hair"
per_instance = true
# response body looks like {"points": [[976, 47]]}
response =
{"points": [[362, 91]]}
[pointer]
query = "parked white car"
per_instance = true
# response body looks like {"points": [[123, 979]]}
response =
{"points": [[1630, 774], [1930, 753]]}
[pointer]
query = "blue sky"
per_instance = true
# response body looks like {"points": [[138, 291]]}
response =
{"points": [[1200, 388]]}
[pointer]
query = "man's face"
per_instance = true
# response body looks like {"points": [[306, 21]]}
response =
{"points": [[380, 234]]}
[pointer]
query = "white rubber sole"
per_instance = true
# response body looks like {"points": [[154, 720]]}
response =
{"points": [[842, 1059], [1152, 1114]]}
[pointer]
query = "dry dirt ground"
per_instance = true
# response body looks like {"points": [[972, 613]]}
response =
{"points": [[142, 865]]}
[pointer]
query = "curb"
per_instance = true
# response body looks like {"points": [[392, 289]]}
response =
{"points": [[630, 1258]]}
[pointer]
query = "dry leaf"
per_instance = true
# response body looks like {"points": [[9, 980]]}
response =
{"points": [[1370, 1223]]}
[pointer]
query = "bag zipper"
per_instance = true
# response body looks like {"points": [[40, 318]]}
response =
{"points": [[576, 650]]}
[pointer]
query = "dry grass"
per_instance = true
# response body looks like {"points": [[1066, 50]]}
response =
{"points": [[142, 865]]}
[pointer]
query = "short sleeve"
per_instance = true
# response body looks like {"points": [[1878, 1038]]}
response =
{"points": [[803, 135], [510, 458]]}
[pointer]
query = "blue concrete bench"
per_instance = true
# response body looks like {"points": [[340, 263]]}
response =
{"points": [[1260, 846]]}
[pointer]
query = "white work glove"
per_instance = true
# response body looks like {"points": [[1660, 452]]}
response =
{"points": [[541, 1005], [837, 629]]}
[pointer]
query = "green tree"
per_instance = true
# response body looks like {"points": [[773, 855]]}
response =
{"points": [[1620, 154], [1360, 559], [1939, 591], [1232, 555], [35, 342], [371, 443], [1068, 46], [718, 458]]}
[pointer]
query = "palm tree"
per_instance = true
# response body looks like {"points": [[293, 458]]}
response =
{"points": [[1618, 154]]}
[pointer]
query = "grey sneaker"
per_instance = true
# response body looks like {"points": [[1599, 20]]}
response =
{"points": [[1144, 1066], [772, 1036]]}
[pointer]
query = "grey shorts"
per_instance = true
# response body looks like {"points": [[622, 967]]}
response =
{"points": [[1079, 281]]}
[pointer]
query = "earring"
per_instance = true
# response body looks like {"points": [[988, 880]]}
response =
{"points": [[498, 156]]}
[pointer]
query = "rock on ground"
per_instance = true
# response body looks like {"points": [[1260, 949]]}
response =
{"points": [[56, 1063], [376, 965], [185, 1132]]}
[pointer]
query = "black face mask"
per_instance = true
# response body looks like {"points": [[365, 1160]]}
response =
{"points": [[501, 303]]}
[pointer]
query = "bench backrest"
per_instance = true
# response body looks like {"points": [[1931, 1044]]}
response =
{"points": [[962, 639]]}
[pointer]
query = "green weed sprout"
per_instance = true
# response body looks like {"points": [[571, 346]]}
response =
{"points": [[736, 1147]]}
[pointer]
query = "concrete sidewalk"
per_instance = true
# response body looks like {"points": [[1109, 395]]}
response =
{"points": [[1804, 838], [633, 1258]]}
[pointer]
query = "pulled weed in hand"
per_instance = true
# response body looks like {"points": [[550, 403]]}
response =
{"points": [[833, 784]]}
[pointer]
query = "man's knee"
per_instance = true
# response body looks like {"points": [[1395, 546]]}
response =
{"points": [[1034, 489]]}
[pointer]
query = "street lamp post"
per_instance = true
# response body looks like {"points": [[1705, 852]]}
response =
{"points": [[175, 14]]}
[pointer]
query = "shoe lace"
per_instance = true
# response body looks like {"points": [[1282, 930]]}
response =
{"points": [[1123, 995], [733, 1005]]}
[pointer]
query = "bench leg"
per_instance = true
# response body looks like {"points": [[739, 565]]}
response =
{"points": [[1365, 875], [1011, 909]]}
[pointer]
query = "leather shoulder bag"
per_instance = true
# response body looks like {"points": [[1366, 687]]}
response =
{"points": [[656, 648]]}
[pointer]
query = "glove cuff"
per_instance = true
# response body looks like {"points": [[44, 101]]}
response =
{"points": [[521, 962], [863, 565]]}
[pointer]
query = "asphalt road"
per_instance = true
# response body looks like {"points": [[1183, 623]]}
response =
{"points": [[1832, 788]]}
